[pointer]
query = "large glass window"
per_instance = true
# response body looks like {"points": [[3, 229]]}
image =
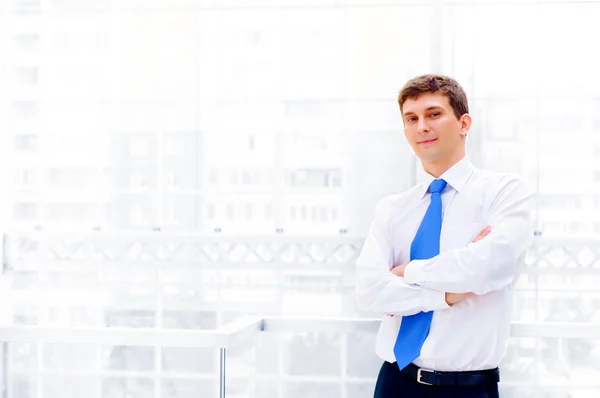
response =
{"points": [[170, 141]]}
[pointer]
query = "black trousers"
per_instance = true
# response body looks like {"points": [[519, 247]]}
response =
{"points": [[392, 383]]}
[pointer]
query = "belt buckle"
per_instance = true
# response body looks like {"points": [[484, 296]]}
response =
{"points": [[420, 375]]}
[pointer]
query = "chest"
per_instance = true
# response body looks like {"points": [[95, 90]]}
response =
{"points": [[463, 216]]}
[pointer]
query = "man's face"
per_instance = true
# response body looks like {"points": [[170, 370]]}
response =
{"points": [[432, 129]]}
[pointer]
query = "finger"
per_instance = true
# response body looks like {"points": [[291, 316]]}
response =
{"points": [[478, 237], [483, 233]]}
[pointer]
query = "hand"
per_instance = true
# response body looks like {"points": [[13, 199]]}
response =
{"points": [[398, 270], [482, 234], [453, 298]]}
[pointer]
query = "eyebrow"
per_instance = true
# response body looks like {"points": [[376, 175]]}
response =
{"points": [[427, 109]]}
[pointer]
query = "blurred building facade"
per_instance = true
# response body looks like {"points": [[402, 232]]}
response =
{"points": [[267, 120]]}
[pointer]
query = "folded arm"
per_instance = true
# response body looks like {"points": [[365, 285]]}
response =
{"points": [[491, 263], [377, 289]]}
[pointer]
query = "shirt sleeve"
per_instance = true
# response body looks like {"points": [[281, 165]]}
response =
{"points": [[491, 263], [377, 289]]}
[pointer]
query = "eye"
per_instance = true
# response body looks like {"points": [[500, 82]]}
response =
{"points": [[411, 119], [434, 114]]}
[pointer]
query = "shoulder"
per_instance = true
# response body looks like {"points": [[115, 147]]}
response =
{"points": [[503, 190], [495, 181]]}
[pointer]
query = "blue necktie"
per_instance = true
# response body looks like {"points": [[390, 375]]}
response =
{"points": [[426, 244]]}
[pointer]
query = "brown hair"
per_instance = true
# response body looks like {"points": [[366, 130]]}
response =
{"points": [[434, 83]]}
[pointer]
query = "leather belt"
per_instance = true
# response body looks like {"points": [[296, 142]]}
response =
{"points": [[436, 378]]}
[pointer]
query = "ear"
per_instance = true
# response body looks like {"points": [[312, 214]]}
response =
{"points": [[465, 124]]}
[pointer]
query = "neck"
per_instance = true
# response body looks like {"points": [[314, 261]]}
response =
{"points": [[438, 167]]}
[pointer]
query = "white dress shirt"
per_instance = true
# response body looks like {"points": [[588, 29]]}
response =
{"points": [[472, 334]]}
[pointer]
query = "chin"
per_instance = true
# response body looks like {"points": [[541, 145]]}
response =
{"points": [[429, 157]]}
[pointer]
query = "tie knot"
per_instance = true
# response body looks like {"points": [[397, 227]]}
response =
{"points": [[437, 186]]}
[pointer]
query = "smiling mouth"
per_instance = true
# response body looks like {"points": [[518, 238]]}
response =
{"points": [[428, 141]]}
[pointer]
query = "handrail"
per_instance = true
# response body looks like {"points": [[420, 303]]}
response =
{"points": [[341, 325], [111, 336], [567, 330], [247, 329], [224, 337]]}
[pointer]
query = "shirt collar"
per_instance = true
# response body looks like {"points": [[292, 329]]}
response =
{"points": [[456, 176]]}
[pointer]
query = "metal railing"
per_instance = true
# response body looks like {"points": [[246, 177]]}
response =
{"points": [[35, 262], [247, 329]]}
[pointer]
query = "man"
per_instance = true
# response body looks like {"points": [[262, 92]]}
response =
{"points": [[441, 259]]}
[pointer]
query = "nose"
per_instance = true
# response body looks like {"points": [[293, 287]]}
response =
{"points": [[422, 126]]}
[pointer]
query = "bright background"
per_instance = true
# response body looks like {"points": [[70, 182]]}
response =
{"points": [[139, 138]]}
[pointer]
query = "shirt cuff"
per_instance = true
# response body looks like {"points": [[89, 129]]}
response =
{"points": [[414, 272], [434, 300]]}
